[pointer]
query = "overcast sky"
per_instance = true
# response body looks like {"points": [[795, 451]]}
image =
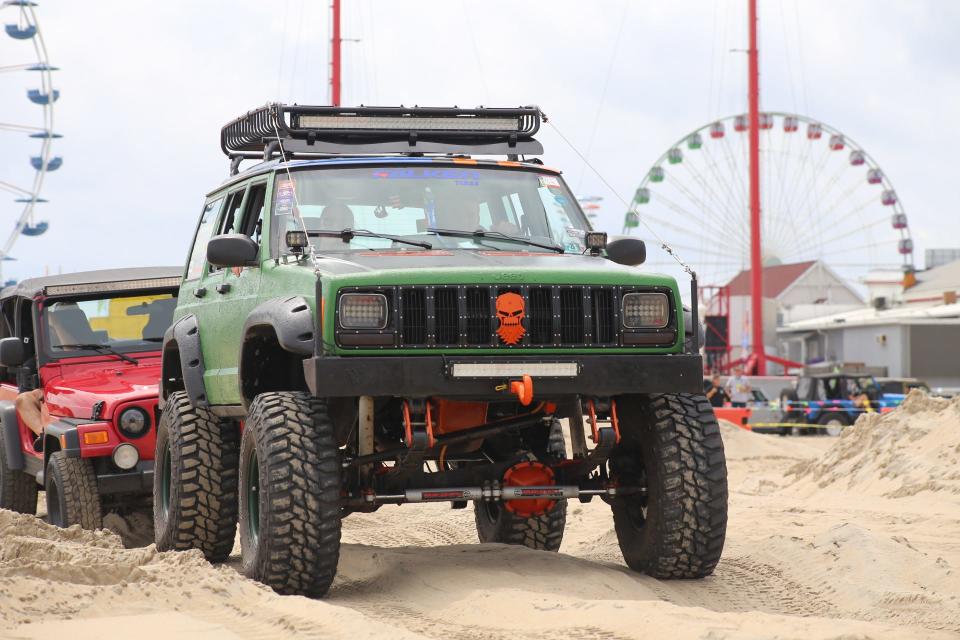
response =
{"points": [[146, 87]]}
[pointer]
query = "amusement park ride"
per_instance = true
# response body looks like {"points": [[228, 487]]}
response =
{"points": [[823, 197], [27, 28]]}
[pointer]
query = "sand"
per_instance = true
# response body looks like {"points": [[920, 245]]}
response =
{"points": [[854, 537]]}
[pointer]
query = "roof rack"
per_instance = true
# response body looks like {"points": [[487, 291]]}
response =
{"points": [[312, 131]]}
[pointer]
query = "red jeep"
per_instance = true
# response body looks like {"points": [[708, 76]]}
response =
{"points": [[91, 342]]}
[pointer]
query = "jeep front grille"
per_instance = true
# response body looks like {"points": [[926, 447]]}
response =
{"points": [[465, 316]]}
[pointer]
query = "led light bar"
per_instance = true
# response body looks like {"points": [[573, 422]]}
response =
{"points": [[514, 369], [111, 287], [305, 130], [405, 123]]}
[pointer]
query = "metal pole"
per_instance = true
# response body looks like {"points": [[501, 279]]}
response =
{"points": [[756, 262], [335, 56]]}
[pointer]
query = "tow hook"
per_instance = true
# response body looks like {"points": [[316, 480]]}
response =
{"points": [[522, 388]]}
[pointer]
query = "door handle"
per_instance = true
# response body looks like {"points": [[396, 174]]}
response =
{"points": [[200, 292], [223, 288]]}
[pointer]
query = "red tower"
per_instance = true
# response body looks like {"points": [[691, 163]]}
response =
{"points": [[756, 260]]}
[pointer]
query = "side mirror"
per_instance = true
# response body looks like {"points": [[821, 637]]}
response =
{"points": [[12, 353], [232, 250], [628, 251]]}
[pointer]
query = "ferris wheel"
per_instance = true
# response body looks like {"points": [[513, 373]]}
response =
{"points": [[822, 197], [25, 124]]}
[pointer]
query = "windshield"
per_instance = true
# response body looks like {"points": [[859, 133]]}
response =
{"points": [[121, 323], [426, 203]]}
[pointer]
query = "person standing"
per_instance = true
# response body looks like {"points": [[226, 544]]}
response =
{"points": [[739, 389], [715, 392]]}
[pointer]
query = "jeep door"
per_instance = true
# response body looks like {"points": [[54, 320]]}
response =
{"points": [[236, 293], [195, 297]]}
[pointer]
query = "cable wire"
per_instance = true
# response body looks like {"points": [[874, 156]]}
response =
{"points": [[663, 244]]}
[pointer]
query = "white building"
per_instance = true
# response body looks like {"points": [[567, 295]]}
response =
{"points": [[920, 337], [791, 292]]}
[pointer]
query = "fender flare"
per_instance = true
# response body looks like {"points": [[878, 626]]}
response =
{"points": [[291, 320], [11, 435], [183, 339]]}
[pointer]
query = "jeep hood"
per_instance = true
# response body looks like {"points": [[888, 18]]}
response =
{"points": [[369, 261], [71, 389]]}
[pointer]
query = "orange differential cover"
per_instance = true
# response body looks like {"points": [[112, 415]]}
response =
{"points": [[528, 474]]}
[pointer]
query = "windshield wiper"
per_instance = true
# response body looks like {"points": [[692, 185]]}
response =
{"points": [[98, 347], [348, 234], [483, 233]]}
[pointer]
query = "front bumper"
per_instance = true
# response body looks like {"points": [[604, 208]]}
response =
{"points": [[136, 480], [422, 376]]}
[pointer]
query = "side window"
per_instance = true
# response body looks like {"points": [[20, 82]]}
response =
{"points": [[230, 217], [234, 200], [252, 224], [198, 255], [8, 321], [7, 324]]}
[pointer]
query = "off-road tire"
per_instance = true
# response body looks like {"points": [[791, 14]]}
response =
{"points": [[833, 423], [72, 495], [18, 490], [290, 473], [543, 532], [671, 443], [195, 480]]}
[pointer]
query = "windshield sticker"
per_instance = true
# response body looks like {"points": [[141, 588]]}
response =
{"points": [[460, 177], [286, 191], [550, 182]]}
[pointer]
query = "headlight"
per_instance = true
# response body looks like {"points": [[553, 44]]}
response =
{"points": [[133, 422], [126, 456], [645, 310], [363, 311]]}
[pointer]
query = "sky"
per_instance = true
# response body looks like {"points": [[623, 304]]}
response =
{"points": [[146, 87]]}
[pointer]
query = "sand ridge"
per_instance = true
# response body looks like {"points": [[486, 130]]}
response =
{"points": [[823, 543]]}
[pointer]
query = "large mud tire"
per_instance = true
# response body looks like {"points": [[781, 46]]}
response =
{"points": [[543, 532], [290, 514], [671, 443], [72, 495], [18, 491], [195, 480]]}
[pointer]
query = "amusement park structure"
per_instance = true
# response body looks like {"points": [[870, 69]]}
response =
{"points": [[27, 28], [804, 195]]}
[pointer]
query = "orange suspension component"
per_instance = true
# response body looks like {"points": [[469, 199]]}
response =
{"points": [[595, 428]]}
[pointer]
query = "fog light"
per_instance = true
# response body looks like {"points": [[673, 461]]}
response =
{"points": [[363, 311], [126, 456], [645, 310]]}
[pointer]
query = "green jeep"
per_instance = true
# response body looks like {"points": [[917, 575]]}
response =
{"points": [[374, 315]]}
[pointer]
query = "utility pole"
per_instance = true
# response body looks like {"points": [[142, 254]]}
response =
{"points": [[335, 56], [756, 260]]}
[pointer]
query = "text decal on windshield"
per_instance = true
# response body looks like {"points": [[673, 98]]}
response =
{"points": [[461, 177]]}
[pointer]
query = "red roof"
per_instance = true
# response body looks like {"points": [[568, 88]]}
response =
{"points": [[775, 279]]}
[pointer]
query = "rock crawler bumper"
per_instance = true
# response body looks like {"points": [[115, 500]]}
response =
{"points": [[421, 376]]}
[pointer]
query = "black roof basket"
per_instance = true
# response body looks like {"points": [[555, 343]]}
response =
{"points": [[324, 131]]}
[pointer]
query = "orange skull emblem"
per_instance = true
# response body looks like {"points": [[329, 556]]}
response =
{"points": [[510, 312]]}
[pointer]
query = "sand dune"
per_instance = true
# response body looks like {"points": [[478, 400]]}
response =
{"points": [[853, 537]]}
